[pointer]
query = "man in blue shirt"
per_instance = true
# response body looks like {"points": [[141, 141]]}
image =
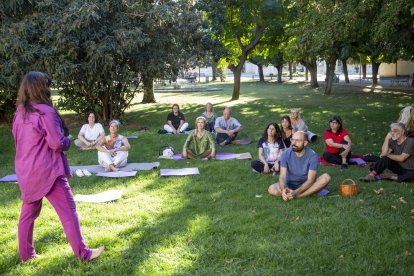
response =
{"points": [[298, 167]]}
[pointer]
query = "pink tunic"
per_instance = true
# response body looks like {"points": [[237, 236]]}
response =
{"points": [[39, 142]]}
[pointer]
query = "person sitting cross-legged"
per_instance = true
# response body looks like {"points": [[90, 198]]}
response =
{"points": [[338, 143], [91, 134], [397, 157], [199, 143], [298, 168], [175, 121], [227, 128], [270, 148], [113, 154]]}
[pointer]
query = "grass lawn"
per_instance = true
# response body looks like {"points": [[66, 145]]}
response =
{"points": [[214, 223]]}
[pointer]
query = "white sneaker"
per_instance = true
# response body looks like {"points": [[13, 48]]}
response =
{"points": [[79, 173], [86, 172]]}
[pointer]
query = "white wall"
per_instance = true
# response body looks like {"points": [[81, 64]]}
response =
{"points": [[390, 69]]}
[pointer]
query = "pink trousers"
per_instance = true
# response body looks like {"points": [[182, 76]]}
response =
{"points": [[61, 198]]}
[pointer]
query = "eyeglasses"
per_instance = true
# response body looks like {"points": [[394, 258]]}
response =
{"points": [[295, 140]]}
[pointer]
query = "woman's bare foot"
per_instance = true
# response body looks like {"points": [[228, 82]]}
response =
{"points": [[112, 168], [96, 252]]}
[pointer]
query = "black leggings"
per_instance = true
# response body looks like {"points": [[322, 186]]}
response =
{"points": [[335, 158], [259, 167], [404, 175]]}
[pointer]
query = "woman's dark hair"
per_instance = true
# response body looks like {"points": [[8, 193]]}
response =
{"points": [[172, 108], [34, 88], [87, 116], [287, 118], [338, 119], [278, 134]]}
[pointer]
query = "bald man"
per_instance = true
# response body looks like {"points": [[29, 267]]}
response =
{"points": [[227, 128], [298, 167]]}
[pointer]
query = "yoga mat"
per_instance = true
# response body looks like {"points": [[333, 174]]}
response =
{"points": [[323, 192], [117, 174], [106, 196], [354, 160], [128, 168], [131, 137], [9, 178], [357, 161], [179, 172], [223, 156]]}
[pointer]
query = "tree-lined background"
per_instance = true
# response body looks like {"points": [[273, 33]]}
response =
{"points": [[101, 52]]}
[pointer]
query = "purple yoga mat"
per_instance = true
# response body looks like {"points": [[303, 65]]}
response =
{"points": [[117, 174], [9, 178], [358, 161], [179, 172], [323, 192], [219, 156]]}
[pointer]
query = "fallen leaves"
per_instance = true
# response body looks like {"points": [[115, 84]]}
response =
{"points": [[379, 191], [402, 200]]}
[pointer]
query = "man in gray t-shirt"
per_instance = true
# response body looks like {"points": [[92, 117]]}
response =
{"points": [[298, 167], [398, 157]]}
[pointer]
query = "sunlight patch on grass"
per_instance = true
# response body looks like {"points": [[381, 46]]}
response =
{"points": [[178, 252]]}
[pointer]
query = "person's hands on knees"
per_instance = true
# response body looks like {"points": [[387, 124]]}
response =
{"points": [[266, 168]]}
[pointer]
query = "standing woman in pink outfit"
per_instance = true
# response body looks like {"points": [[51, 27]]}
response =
{"points": [[41, 166]]}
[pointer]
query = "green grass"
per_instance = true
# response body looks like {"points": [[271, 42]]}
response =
{"points": [[213, 223]]}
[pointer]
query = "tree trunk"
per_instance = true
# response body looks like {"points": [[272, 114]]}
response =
{"points": [[148, 83], [306, 74], [329, 75], [221, 74], [364, 71], [279, 73], [214, 70], [105, 107], [314, 76], [375, 68], [261, 75], [345, 69], [290, 71], [313, 70], [236, 87]]}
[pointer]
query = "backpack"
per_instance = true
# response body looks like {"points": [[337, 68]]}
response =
{"points": [[166, 152]]}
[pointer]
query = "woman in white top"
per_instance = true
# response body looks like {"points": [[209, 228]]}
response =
{"points": [[113, 153], [91, 134]]}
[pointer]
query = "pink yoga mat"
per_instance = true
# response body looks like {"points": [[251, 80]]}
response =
{"points": [[179, 172]]}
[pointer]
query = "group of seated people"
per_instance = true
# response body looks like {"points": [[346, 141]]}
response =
{"points": [[112, 149], [281, 149]]}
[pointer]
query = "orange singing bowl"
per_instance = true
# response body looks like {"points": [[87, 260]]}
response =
{"points": [[348, 189]]}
